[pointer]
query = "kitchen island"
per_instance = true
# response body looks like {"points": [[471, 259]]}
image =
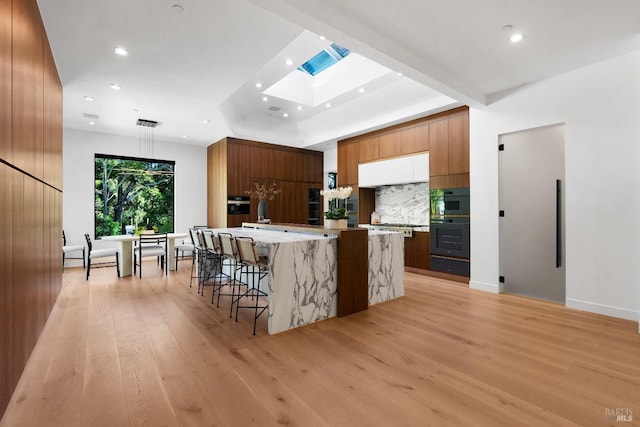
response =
{"points": [[304, 280]]}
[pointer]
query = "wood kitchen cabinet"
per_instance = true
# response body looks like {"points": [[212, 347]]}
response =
{"points": [[416, 250], [449, 151], [348, 163], [235, 165], [368, 149], [390, 145], [415, 139]]}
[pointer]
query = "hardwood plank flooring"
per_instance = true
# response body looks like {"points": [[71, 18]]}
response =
{"points": [[151, 351]]}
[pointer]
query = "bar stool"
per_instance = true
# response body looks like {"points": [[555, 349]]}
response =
{"points": [[230, 253], [259, 266]]}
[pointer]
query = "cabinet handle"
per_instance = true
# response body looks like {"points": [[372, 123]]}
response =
{"points": [[558, 224]]}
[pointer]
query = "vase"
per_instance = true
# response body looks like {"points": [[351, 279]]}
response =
{"points": [[335, 224], [262, 210]]}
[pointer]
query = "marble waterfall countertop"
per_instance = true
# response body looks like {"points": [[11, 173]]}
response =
{"points": [[302, 280]]}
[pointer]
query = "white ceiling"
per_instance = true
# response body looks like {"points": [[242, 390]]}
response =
{"points": [[203, 63]]}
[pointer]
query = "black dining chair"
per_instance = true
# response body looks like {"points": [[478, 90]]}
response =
{"points": [[101, 253]]}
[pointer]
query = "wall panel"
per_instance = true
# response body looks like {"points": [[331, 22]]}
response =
{"points": [[30, 199], [27, 74], [6, 150], [6, 285]]}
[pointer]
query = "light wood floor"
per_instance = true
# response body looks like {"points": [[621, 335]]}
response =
{"points": [[153, 352]]}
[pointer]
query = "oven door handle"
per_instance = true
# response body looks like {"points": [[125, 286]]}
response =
{"points": [[558, 224]]}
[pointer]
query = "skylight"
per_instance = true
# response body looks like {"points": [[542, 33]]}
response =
{"points": [[325, 59]]}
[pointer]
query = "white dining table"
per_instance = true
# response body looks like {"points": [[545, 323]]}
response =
{"points": [[126, 250]]}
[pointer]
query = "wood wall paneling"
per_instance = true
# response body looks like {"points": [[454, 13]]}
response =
{"points": [[353, 276], [52, 105], [27, 73], [368, 149], [390, 145], [459, 144], [438, 147], [6, 147], [217, 184], [415, 139], [31, 137], [7, 376]]}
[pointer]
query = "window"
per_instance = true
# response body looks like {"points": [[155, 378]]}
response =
{"points": [[324, 59], [132, 194]]}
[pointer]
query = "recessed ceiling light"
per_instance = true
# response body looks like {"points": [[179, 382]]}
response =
{"points": [[92, 123], [517, 37], [289, 62], [120, 51], [400, 74], [328, 105], [361, 90], [299, 107], [89, 98], [323, 38], [185, 136], [206, 121], [115, 86], [265, 99], [285, 114], [258, 85]]}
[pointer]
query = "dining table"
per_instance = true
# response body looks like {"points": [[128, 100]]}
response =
{"points": [[126, 250]]}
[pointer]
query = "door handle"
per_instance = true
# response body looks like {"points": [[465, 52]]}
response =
{"points": [[558, 224]]}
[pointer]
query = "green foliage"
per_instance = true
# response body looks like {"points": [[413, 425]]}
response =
{"points": [[132, 192]]}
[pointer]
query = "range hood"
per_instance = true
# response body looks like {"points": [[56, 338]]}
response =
{"points": [[401, 170]]}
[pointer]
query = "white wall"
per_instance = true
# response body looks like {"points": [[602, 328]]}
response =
{"points": [[78, 175], [600, 106]]}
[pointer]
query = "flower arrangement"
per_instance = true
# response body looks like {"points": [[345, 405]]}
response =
{"points": [[262, 192], [337, 202]]}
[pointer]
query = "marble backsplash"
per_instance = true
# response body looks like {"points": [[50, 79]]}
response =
{"points": [[403, 203]]}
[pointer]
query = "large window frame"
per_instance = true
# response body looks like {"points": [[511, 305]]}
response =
{"points": [[139, 195]]}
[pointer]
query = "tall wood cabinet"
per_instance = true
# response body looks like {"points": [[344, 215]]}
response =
{"points": [[234, 166], [30, 186]]}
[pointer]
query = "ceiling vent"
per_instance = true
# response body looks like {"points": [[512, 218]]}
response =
{"points": [[274, 108], [147, 123], [91, 116]]}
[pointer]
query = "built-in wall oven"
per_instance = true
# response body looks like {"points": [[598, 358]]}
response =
{"points": [[450, 231]]}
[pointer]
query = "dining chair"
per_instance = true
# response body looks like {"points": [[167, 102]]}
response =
{"points": [[66, 249], [151, 245], [185, 248], [101, 253], [258, 267]]}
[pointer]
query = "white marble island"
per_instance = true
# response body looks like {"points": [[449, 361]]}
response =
{"points": [[303, 279]]}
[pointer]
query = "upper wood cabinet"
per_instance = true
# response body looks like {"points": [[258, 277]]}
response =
{"points": [[238, 167], [459, 144], [368, 149], [348, 163], [415, 139], [390, 145], [439, 147]]}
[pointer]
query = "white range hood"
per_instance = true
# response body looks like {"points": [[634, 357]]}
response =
{"points": [[401, 170]]}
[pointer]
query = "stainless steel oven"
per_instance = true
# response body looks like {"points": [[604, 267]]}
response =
{"points": [[238, 205], [450, 237]]}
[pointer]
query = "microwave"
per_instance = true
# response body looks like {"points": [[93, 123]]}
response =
{"points": [[238, 205], [450, 201]]}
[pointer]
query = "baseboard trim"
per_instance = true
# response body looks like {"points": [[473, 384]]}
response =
{"points": [[488, 287], [607, 310]]}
